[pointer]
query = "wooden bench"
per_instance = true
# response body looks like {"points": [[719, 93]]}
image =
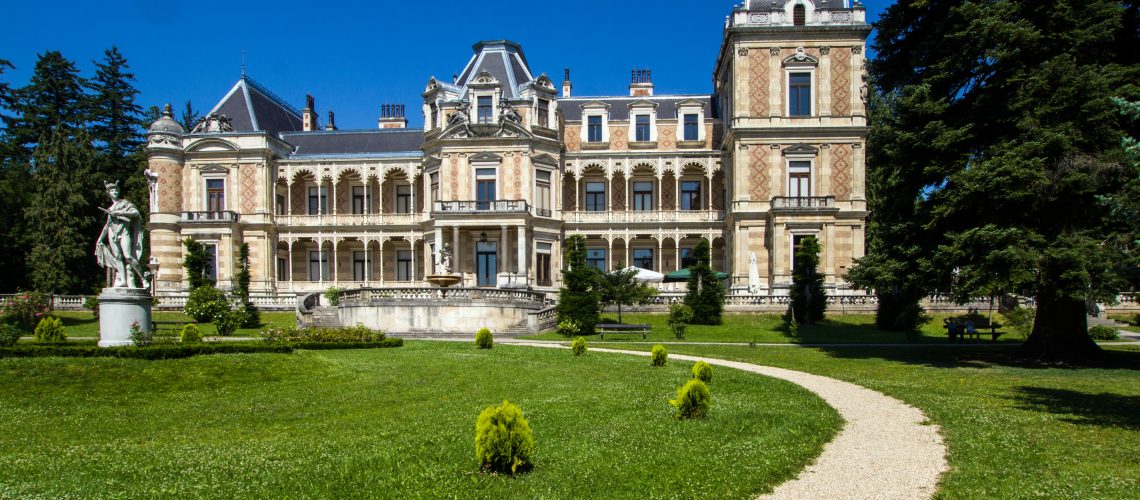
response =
{"points": [[615, 328], [956, 328]]}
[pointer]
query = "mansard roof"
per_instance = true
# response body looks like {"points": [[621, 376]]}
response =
{"points": [[503, 60], [378, 142], [252, 108], [762, 5], [667, 105]]}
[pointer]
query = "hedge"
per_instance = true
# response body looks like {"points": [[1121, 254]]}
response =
{"points": [[177, 351]]}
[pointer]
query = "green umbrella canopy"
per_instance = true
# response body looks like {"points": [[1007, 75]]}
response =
{"points": [[683, 275]]}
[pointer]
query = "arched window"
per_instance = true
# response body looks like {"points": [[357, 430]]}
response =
{"points": [[799, 15]]}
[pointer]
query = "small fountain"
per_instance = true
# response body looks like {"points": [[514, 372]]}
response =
{"points": [[443, 277]]}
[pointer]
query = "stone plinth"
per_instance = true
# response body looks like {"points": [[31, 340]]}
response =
{"points": [[118, 309]]}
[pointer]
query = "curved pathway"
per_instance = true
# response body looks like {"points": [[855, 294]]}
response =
{"points": [[885, 449]]}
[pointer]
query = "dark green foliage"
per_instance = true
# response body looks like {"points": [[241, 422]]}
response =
{"points": [[809, 299], [333, 295], [693, 400], [207, 304], [190, 117], [52, 102], [25, 309], [9, 335], [579, 298], [578, 346], [153, 352], [621, 287], [228, 321], [115, 117], [252, 315], [705, 292], [91, 303], [504, 441], [658, 356], [1020, 320], [195, 263], [1102, 332], [484, 339], [995, 158], [61, 258], [50, 329], [292, 334], [680, 315], [702, 371]]}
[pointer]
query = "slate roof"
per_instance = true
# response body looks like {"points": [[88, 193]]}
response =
{"points": [[503, 59], [767, 4], [619, 106], [355, 142], [253, 108]]}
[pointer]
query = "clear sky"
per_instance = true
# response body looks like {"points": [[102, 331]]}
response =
{"points": [[353, 56]]}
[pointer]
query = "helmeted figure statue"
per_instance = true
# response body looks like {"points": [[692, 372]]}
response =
{"points": [[120, 244]]}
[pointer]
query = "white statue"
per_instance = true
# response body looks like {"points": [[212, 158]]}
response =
{"points": [[753, 274], [120, 244], [444, 266]]}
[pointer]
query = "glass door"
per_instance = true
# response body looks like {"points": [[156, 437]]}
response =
{"points": [[486, 254]]}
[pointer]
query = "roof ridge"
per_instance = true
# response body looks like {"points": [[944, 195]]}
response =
{"points": [[273, 97]]}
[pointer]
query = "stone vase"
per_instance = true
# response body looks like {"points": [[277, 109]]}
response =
{"points": [[118, 309]]}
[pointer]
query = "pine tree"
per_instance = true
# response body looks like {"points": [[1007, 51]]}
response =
{"points": [[61, 258], [809, 299], [579, 299], [620, 287], [53, 99], [14, 182], [5, 89], [116, 119], [705, 293], [190, 117]]}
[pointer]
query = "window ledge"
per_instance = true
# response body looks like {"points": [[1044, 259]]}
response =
{"points": [[690, 144], [642, 144], [595, 145]]}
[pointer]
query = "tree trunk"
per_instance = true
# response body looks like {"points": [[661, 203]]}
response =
{"points": [[1060, 331]]}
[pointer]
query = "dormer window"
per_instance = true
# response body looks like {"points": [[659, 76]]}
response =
{"points": [[691, 125], [486, 109], [799, 15], [691, 128], [543, 114], [641, 131], [594, 128]]}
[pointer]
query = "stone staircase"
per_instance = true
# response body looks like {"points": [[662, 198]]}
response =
{"points": [[326, 317], [517, 330]]}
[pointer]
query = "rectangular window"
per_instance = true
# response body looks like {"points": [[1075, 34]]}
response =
{"points": [[643, 196], [280, 204], [435, 187], [215, 195], [641, 131], [690, 195], [403, 198], [691, 133], [544, 113], [643, 258], [595, 196], [594, 128], [596, 257], [486, 263], [542, 192], [799, 179], [484, 188], [542, 266], [357, 200], [318, 265], [211, 271], [486, 110], [434, 116], [404, 265], [360, 266], [797, 243], [318, 200], [687, 258], [282, 269], [799, 94]]}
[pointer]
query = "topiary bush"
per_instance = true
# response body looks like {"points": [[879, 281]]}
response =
{"points": [[504, 441], [484, 339], [9, 335], [351, 334], [693, 400], [206, 304], [50, 329], [680, 315], [1102, 332], [658, 356], [190, 333], [568, 328], [702, 371], [578, 346]]}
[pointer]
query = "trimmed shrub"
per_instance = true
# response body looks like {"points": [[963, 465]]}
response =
{"points": [[693, 400], [484, 339], [702, 371], [1021, 320], [25, 310], [9, 335], [568, 328], [658, 356], [578, 346], [1102, 332], [350, 334], [176, 351], [228, 321], [206, 304], [333, 295], [50, 329], [680, 315], [504, 441], [190, 333]]}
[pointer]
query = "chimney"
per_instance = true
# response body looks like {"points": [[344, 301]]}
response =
{"points": [[641, 82], [309, 114], [331, 125], [566, 86], [392, 116]]}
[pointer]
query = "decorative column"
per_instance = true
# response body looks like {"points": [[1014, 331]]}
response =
{"points": [[660, 257], [413, 276], [455, 262], [609, 254], [521, 263], [677, 251], [381, 242], [336, 260], [503, 253], [438, 248], [289, 269], [289, 200], [660, 194], [333, 204], [367, 264], [320, 258]]}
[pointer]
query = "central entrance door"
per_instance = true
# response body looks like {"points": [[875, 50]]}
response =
{"points": [[486, 264]]}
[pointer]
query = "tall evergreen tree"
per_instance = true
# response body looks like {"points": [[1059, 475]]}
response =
{"points": [[579, 299], [1006, 142], [190, 117], [5, 88], [809, 299], [14, 182], [53, 99], [116, 119], [705, 292], [61, 257]]}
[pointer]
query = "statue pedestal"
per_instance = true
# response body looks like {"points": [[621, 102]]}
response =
{"points": [[118, 309]]}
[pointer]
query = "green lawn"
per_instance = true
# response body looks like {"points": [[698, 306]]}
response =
{"points": [[392, 423], [1013, 431], [84, 324]]}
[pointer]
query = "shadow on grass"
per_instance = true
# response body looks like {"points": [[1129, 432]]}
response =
{"points": [[978, 356], [1101, 410], [70, 321]]}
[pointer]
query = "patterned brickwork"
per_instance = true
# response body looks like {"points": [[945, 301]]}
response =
{"points": [[572, 143], [388, 197], [841, 171], [758, 82], [169, 187], [568, 192], [666, 137], [841, 81], [758, 176], [299, 197], [453, 163], [248, 180], [668, 192], [718, 191], [619, 192], [518, 176], [617, 138]]}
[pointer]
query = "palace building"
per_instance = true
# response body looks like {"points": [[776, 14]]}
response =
{"points": [[509, 163]]}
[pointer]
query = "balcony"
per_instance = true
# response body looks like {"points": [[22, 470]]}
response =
{"points": [[481, 207], [348, 220], [804, 204], [647, 216], [210, 216]]}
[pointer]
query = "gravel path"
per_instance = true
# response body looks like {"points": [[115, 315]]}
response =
{"points": [[885, 449]]}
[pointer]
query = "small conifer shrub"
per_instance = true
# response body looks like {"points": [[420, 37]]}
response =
{"points": [[578, 346], [190, 333], [693, 400], [484, 339], [702, 371], [504, 441], [9, 335], [1098, 332], [658, 355], [50, 329]]}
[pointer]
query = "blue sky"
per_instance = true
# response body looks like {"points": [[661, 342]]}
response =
{"points": [[353, 56]]}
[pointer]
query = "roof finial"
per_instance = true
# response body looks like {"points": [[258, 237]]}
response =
{"points": [[243, 64]]}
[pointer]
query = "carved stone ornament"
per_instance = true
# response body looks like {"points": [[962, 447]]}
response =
{"points": [[800, 54], [825, 50], [743, 52], [214, 123], [759, 18], [164, 140], [858, 49], [485, 77], [774, 51]]}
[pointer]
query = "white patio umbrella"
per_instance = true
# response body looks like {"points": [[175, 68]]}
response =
{"points": [[645, 275]]}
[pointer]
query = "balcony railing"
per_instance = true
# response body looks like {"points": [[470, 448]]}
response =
{"points": [[210, 216], [803, 202], [348, 220], [479, 207], [645, 216]]}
